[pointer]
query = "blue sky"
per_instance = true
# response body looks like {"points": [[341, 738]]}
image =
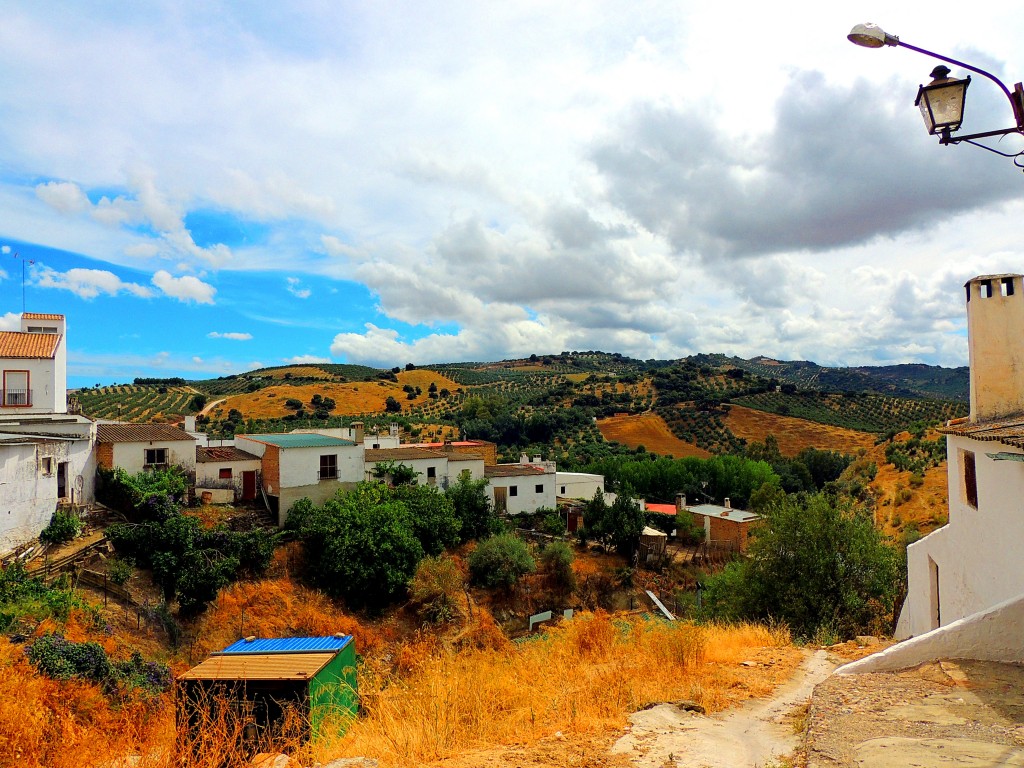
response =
{"points": [[208, 187]]}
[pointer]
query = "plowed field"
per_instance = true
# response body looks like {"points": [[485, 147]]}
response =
{"points": [[794, 434], [650, 431]]}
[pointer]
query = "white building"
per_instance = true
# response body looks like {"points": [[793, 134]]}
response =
{"points": [[139, 447], [303, 464], [524, 487], [47, 453], [33, 366], [578, 485], [227, 473], [975, 561]]}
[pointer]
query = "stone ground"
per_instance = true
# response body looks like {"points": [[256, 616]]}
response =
{"points": [[948, 714]]}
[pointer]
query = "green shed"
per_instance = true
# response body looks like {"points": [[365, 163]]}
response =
{"points": [[260, 679]]}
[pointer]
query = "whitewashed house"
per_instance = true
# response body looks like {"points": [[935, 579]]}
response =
{"points": [[227, 473], [578, 485], [46, 453], [524, 487], [975, 561], [295, 465], [140, 447]]}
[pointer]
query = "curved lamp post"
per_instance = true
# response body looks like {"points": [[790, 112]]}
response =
{"points": [[942, 101]]}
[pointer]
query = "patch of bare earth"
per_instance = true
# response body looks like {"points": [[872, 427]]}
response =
{"points": [[792, 434], [650, 431]]}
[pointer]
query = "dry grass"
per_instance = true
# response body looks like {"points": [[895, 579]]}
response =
{"points": [[650, 431], [584, 676], [351, 398], [794, 434]]}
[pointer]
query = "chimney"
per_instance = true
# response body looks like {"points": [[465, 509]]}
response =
{"points": [[524, 459], [190, 423], [680, 502], [995, 319], [537, 459], [728, 503], [393, 430], [357, 430]]}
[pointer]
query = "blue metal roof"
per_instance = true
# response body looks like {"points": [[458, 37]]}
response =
{"points": [[288, 645]]}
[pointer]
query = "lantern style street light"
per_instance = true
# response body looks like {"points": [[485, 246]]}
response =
{"points": [[942, 101]]}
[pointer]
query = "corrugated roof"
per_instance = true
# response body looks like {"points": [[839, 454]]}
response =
{"points": [[300, 440], [259, 666], [516, 470], [724, 513], [222, 454], [265, 645], [139, 433], [40, 316], [405, 452], [28, 345]]}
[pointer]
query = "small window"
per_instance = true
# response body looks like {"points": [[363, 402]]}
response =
{"points": [[985, 289], [513, 490], [539, 488], [156, 457], [225, 473], [970, 478], [329, 467], [46, 465], [431, 472], [1006, 286], [562, 492]]}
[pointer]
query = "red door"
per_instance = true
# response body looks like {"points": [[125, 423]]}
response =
{"points": [[249, 485]]}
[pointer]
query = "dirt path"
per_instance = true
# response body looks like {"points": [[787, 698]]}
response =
{"points": [[210, 406], [748, 737]]}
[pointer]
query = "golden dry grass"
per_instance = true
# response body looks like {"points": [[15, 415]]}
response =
{"points": [[794, 434], [351, 398], [650, 431]]}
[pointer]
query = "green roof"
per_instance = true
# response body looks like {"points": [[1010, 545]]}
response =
{"points": [[300, 440]]}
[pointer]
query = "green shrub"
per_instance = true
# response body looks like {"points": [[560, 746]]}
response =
{"points": [[63, 527], [120, 570], [499, 562], [556, 561], [62, 659], [435, 589]]}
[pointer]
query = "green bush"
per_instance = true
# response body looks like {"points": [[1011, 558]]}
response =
{"points": [[499, 562], [556, 561], [62, 659], [435, 589], [63, 527]]}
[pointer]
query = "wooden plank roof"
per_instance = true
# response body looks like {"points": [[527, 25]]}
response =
{"points": [[260, 666]]}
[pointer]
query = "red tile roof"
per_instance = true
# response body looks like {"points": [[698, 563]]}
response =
{"points": [[27, 345], [223, 453], [405, 452], [515, 470], [139, 433], [40, 316], [665, 509]]}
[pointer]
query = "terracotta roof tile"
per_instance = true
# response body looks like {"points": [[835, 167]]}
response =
{"points": [[40, 316], [516, 470], [396, 454], [18, 344], [139, 433], [223, 453]]}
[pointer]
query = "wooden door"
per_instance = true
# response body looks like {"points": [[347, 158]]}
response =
{"points": [[249, 485]]}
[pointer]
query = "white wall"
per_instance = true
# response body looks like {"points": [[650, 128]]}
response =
{"points": [[578, 485], [28, 498], [526, 498], [47, 397], [301, 466], [421, 466], [977, 555], [132, 456], [475, 467], [208, 473]]}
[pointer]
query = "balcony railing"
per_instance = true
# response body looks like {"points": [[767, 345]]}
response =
{"points": [[18, 397], [328, 473]]}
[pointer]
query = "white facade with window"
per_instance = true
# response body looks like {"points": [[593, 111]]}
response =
{"points": [[578, 485], [33, 366], [974, 562], [522, 488]]}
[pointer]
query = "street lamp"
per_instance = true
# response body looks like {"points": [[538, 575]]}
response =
{"points": [[942, 101]]}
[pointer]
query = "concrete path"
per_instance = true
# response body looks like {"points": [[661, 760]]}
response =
{"points": [[962, 714], [751, 736]]}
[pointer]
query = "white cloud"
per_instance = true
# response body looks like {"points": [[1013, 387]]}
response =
{"points": [[87, 283], [235, 336], [295, 290], [185, 288], [63, 196], [306, 360], [10, 322]]}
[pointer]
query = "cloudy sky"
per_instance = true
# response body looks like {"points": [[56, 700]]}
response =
{"points": [[207, 187]]}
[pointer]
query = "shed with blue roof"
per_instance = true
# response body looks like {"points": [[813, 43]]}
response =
{"points": [[262, 679]]}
